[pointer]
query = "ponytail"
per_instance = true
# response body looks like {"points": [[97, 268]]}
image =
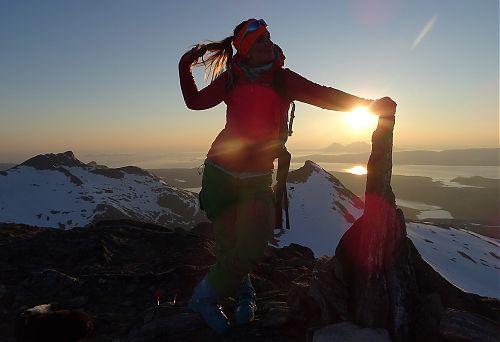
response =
{"points": [[219, 57]]}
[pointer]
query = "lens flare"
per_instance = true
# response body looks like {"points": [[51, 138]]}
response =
{"points": [[425, 30]]}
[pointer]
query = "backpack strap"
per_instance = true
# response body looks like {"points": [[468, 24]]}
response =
{"points": [[279, 82], [231, 79], [284, 158], [290, 121]]}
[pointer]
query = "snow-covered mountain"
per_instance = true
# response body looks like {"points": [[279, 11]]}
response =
{"points": [[58, 190], [322, 209]]}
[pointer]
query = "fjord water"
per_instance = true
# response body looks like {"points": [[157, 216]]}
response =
{"points": [[442, 173]]}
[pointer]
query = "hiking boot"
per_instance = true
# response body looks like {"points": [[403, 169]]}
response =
{"points": [[205, 301], [245, 309]]}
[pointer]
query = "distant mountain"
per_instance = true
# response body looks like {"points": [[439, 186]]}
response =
{"points": [[466, 157], [322, 209], [6, 166], [180, 177], [478, 156], [355, 147], [58, 190], [478, 181]]}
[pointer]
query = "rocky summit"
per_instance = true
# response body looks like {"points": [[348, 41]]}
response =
{"points": [[134, 279]]}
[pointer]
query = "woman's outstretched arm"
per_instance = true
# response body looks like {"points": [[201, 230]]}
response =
{"points": [[301, 89], [208, 97]]}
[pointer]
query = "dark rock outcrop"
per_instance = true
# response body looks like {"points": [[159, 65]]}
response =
{"points": [[56, 162], [374, 252], [47, 323], [459, 325], [349, 332], [134, 280], [107, 172], [53, 161]]}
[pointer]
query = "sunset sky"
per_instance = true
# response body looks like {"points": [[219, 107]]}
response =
{"points": [[100, 77]]}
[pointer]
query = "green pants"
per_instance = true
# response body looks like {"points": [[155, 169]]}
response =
{"points": [[242, 214]]}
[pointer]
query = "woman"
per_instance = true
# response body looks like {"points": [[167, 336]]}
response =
{"points": [[236, 188]]}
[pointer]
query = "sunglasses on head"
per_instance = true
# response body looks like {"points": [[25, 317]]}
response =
{"points": [[254, 26]]}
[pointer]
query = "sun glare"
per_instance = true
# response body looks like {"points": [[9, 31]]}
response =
{"points": [[357, 170], [360, 118]]}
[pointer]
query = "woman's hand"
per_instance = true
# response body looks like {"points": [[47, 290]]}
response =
{"points": [[383, 107], [195, 53]]}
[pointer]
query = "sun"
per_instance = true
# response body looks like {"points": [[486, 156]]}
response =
{"points": [[360, 118]]}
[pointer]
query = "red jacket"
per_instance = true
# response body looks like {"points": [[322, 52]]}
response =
{"points": [[256, 112]]}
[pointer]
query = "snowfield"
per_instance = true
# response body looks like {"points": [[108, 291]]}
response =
{"points": [[468, 260]]}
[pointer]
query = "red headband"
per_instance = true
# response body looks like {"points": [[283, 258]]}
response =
{"points": [[244, 39]]}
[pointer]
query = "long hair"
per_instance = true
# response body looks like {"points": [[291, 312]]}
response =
{"points": [[220, 55]]}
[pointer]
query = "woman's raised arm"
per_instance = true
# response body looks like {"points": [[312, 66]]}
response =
{"points": [[208, 97]]}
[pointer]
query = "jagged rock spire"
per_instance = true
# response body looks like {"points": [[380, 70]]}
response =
{"points": [[372, 252]]}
